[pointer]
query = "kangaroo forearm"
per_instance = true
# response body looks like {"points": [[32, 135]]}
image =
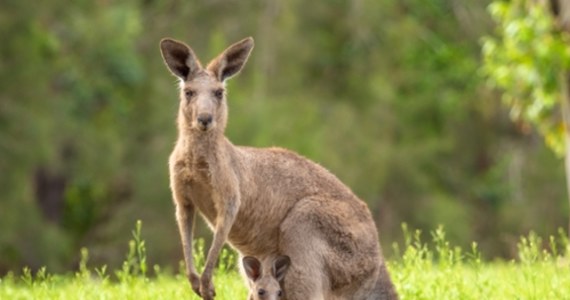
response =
{"points": [[221, 233], [185, 215], [213, 254]]}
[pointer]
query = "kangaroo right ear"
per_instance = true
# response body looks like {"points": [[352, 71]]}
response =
{"points": [[252, 267], [280, 266], [179, 58], [232, 60]]}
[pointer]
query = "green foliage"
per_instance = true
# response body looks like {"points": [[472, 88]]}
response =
{"points": [[68, 96], [135, 263], [526, 59]]}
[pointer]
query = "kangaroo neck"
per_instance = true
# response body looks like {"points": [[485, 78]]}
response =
{"points": [[203, 146]]}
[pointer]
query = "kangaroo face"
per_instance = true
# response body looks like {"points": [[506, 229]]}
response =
{"points": [[203, 102], [265, 279], [266, 288], [202, 95]]}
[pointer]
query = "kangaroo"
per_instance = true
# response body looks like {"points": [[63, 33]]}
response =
{"points": [[265, 279], [264, 202]]}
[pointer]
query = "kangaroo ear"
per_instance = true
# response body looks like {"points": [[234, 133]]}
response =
{"points": [[252, 267], [179, 58], [280, 266], [232, 60]]}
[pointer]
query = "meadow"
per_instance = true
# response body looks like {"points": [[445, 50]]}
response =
{"points": [[421, 270]]}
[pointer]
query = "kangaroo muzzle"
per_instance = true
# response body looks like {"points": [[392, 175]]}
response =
{"points": [[204, 121]]}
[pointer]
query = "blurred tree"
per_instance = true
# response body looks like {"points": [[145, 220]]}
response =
{"points": [[530, 61], [67, 97]]}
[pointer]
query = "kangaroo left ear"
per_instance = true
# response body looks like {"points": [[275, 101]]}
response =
{"points": [[252, 267], [232, 60], [179, 58]]}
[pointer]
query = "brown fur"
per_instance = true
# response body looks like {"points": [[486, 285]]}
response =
{"points": [[264, 201]]}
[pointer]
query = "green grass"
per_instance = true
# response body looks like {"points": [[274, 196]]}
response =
{"points": [[432, 270], [228, 286]]}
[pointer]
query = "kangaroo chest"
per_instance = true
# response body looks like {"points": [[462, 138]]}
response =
{"points": [[203, 199], [195, 177]]}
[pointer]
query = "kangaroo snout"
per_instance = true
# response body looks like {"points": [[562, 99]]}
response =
{"points": [[204, 121]]}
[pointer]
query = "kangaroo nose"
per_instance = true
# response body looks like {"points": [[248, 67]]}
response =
{"points": [[205, 120]]}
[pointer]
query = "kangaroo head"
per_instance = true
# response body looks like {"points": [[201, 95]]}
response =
{"points": [[265, 284], [203, 106]]}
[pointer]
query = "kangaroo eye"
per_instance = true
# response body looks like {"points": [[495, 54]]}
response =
{"points": [[279, 293], [261, 292], [189, 93], [219, 93]]}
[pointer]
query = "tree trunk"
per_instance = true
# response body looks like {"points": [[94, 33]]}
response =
{"points": [[566, 116], [561, 10], [266, 38]]}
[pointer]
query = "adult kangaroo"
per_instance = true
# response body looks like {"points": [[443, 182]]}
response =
{"points": [[264, 202]]}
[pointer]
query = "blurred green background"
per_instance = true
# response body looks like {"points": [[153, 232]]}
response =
{"points": [[386, 94]]}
